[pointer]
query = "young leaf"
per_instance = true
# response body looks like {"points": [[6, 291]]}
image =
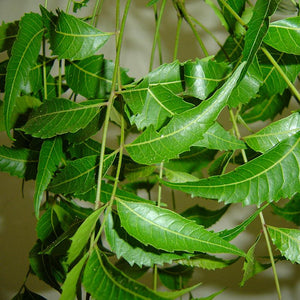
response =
{"points": [[291, 211], [166, 230], [8, 34], [216, 137], [82, 235], [177, 176], [92, 77], [103, 281], [183, 130], [75, 39], [59, 116], [287, 241], [132, 250], [19, 162], [284, 36], [79, 175], [271, 176], [50, 156], [271, 135], [24, 56]]}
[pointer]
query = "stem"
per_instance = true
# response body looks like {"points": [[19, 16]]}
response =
{"points": [[155, 278], [178, 29], [44, 69], [156, 36], [68, 6], [159, 186], [233, 13], [263, 223], [218, 13], [46, 3], [97, 12], [282, 74], [186, 16], [59, 77], [110, 103]]}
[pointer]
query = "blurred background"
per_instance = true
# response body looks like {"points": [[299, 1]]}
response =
{"points": [[17, 221]]}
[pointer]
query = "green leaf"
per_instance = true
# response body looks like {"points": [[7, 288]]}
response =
{"points": [[269, 177], [59, 116], [28, 295], [202, 77], [24, 56], [132, 250], [251, 265], [183, 130], [291, 211], [70, 284], [79, 175], [8, 34], [287, 241], [92, 77], [216, 137], [258, 27], [177, 176], [134, 172], [77, 5], [271, 135], [75, 39], [50, 156], [3, 68], [86, 148], [210, 297], [204, 216], [103, 281], [82, 235], [284, 35], [219, 164], [19, 162], [166, 230]]}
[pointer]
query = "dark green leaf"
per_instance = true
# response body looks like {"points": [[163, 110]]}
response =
{"points": [[92, 77], [178, 176], [3, 68], [291, 211], [24, 56], [77, 5], [166, 230], [8, 34], [219, 164], [287, 241], [134, 172], [271, 176], [60, 116], [86, 148], [183, 130], [75, 39], [284, 35], [28, 295]]}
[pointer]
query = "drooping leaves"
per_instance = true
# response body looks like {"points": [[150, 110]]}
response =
{"points": [[59, 116], [287, 241], [75, 39], [92, 77], [166, 230], [24, 56], [271, 176], [183, 130], [284, 35], [50, 156]]}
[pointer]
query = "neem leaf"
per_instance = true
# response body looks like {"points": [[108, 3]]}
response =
{"points": [[287, 241], [8, 34], [59, 116], [183, 130], [284, 35], [166, 230], [24, 56], [75, 39], [269, 177], [50, 156], [79, 4], [92, 77], [103, 281], [271, 135]]}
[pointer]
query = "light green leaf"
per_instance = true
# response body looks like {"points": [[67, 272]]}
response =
{"points": [[60, 116], [271, 135], [216, 137], [284, 35], [134, 172], [183, 130], [177, 176], [103, 281], [82, 235], [166, 230], [287, 241], [70, 284], [92, 77], [269, 177], [8, 34], [19, 162], [210, 297], [50, 156], [202, 77], [75, 39], [79, 175], [132, 250], [24, 56]]}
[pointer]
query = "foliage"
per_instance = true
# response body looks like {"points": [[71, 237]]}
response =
{"points": [[171, 136]]}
